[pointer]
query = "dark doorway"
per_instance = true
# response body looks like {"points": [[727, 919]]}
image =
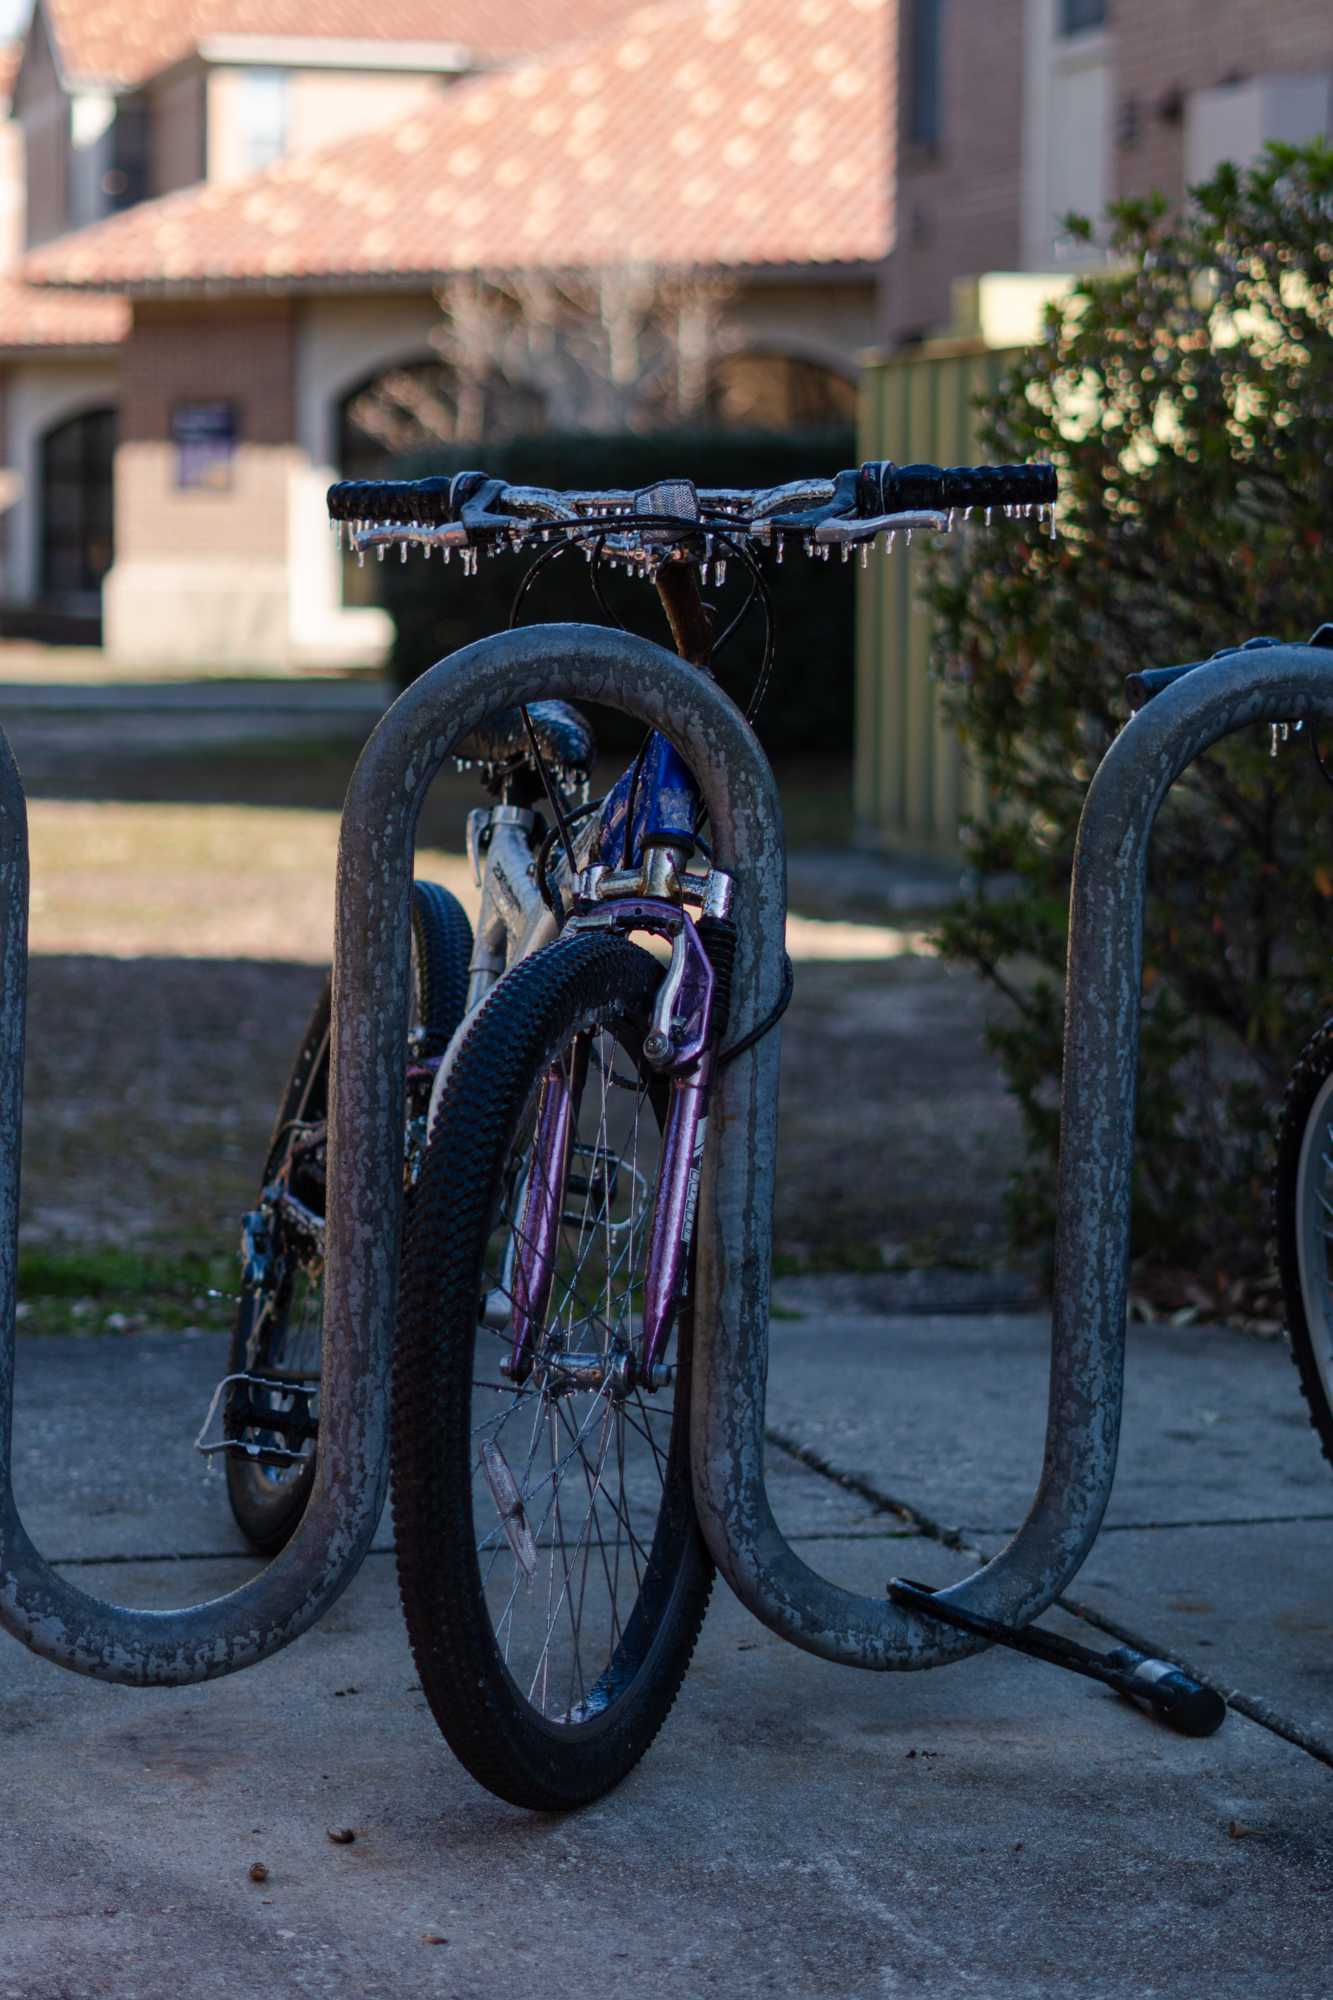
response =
{"points": [[75, 498], [779, 392]]}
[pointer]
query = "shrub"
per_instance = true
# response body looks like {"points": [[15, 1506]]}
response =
{"points": [[809, 702], [1186, 394]]}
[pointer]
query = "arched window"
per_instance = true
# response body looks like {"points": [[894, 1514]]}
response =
{"points": [[76, 460], [779, 392]]}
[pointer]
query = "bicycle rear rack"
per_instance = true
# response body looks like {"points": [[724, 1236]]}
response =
{"points": [[371, 980]]}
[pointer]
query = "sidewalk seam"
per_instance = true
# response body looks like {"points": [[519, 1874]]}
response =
{"points": [[1252, 1706]]}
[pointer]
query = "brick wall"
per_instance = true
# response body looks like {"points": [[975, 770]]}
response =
{"points": [[239, 350], [1166, 48], [958, 205]]}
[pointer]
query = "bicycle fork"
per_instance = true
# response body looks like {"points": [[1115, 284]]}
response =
{"points": [[678, 1044]]}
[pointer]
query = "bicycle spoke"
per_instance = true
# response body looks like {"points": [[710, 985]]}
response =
{"points": [[564, 1563]]}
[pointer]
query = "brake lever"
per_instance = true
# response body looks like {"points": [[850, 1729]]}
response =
{"points": [[849, 528], [471, 497]]}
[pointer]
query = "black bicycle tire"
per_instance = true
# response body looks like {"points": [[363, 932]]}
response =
{"points": [[1312, 1070], [264, 1511], [510, 1041]]}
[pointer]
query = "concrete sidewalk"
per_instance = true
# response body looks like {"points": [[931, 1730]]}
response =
{"points": [[997, 1829]]}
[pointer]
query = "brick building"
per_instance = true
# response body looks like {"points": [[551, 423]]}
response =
{"points": [[1015, 112], [239, 215]]}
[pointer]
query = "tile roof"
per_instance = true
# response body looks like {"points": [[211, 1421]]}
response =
{"points": [[40, 319], [127, 41], [706, 132]]}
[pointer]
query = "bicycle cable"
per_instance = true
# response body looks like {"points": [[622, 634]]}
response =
{"points": [[575, 533]]}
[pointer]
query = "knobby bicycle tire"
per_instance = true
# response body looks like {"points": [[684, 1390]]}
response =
{"points": [[1303, 1220], [485, 1582], [280, 1323]]}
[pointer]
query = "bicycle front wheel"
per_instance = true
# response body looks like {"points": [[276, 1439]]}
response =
{"points": [[551, 1569], [1303, 1211]]}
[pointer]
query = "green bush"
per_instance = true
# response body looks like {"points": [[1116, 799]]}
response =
{"points": [[809, 701], [1186, 394]]}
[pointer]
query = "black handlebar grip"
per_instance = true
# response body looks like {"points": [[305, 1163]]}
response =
{"points": [[1141, 687], [1186, 1704], [885, 488], [1001, 485], [398, 502]]}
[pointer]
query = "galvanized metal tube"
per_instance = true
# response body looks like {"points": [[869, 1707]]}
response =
{"points": [[370, 1014], [1088, 1333], [371, 980]]}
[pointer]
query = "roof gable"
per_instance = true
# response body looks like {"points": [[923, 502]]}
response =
{"points": [[121, 43], [707, 132]]}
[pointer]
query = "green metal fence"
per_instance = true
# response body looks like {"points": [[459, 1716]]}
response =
{"points": [[913, 784]]}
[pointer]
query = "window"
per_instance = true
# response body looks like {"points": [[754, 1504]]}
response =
{"points": [[262, 117], [1077, 16], [924, 71], [128, 177]]}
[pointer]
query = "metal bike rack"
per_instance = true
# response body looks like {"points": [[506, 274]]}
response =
{"points": [[370, 1014], [1277, 684], [370, 1011]]}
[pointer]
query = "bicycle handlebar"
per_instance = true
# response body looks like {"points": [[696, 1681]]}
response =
{"points": [[879, 489]]}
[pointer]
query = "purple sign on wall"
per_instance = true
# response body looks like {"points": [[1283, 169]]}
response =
{"points": [[204, 435]]}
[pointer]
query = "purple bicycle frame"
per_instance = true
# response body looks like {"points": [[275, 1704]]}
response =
{"points": [[672, 1227]]}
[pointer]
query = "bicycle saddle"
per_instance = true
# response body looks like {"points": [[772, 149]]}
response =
{"points": [[563, 737]]}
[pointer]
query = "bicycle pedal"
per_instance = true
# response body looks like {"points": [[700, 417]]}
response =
{"points": [[596, 1187]]}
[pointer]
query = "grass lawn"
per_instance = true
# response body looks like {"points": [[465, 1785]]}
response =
{"points": [[182, 901]]}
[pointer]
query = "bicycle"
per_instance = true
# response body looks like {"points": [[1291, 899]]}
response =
{"points": [[551, 1567], [269, 1396], [1303, 1218]]}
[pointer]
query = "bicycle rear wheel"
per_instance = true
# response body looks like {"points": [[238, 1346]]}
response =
{"points": [[279, 1324], [1303, 1213], [550, 1565]]}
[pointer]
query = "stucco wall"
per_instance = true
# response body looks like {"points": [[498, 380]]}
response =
{"points": [[322, 107], [11, 192], [339, 343], [325, 105]]}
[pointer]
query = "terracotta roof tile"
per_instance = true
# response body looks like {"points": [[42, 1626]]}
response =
{"points": [[40, 319], [712, 132], [127, 41]]}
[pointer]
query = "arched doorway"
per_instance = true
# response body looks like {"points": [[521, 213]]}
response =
{"points": [[75, 466], [779, 392], [398, 409], [406, 407]]}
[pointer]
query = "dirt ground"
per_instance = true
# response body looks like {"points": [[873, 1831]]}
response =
{"points": [[181, 913]]}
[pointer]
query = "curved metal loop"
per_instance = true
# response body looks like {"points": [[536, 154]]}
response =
{"points": [[1285, 683], [370, 1012], [371, 971]]}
